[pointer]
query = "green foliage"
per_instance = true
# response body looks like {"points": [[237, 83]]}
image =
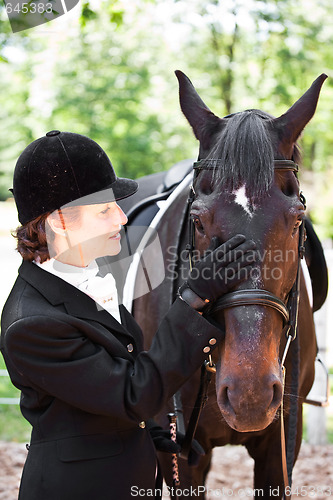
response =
{"points": [[324, 219], [113, 99], [87, 14], [13, 427], [15, 129]]}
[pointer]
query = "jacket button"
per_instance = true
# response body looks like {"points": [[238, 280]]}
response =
{"points": [[130, 347], [206, 349], [212, 341], [142, 424], [52, 133]]}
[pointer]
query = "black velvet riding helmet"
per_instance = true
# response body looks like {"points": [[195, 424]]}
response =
{"points": [[65, 169]]}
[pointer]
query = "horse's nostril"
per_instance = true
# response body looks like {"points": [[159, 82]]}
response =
{"points": [[223, 399], [277, 394]]}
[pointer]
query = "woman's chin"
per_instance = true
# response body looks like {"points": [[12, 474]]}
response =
{"points": [[113, 248]]}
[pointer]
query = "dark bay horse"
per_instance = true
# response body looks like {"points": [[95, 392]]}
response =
{"points": [[238, 190]]}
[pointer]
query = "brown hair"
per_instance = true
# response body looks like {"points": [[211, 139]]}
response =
{"points": [[32, 241], [33, 238]]}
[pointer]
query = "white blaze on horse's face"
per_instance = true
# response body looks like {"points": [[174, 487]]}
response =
{"points": [[242, 200]]}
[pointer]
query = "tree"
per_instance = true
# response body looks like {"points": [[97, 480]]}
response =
{"points": [[108, 88]]}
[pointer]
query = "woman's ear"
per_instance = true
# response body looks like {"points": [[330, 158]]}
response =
{"points": [[56, 223], [54, 227]]}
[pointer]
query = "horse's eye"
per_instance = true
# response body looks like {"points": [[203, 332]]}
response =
{"points": [[289, 189], [197, 222], [289, 185], [296, 225]]}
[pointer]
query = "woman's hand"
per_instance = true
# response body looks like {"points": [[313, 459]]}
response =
{"points": [[163, 442], [220, 269]]}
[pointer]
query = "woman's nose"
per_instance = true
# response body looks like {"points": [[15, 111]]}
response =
{"points": [[121, 216]]}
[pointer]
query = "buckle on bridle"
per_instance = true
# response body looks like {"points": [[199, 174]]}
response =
{"points": [[209, 365]]}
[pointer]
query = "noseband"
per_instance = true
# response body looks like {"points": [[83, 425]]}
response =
{"points": [[250, 297], [258, 297]]}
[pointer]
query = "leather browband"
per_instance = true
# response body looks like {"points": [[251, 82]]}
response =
{"points": [[210, 164]]}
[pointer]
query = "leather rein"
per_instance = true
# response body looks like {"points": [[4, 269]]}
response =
{"points": [[246, 297]]}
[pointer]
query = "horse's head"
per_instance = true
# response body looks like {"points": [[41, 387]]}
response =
{"points": [[245, 194]]}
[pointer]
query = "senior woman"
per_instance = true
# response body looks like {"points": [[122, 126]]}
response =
{"points": [[87, 387]]}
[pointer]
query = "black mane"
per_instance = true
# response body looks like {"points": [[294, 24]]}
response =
{"points": [[244, 153]]}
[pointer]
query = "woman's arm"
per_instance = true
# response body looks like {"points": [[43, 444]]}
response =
{"points": [[56, 357]]}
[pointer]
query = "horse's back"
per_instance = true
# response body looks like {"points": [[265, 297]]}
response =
{"points": [[148, 186], [154, 186]]}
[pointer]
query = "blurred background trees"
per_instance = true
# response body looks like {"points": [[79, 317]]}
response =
{"points": [[106, 70]]}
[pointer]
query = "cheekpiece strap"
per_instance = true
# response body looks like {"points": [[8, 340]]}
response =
{"points": [[206, 164]]}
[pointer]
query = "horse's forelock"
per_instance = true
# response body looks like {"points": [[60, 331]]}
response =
{"points": [[245, 154]]}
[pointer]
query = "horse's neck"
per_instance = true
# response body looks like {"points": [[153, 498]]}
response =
{"points": [[149, 309]]}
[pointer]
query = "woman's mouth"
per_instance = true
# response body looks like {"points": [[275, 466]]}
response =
{"points": [[116, 236]]}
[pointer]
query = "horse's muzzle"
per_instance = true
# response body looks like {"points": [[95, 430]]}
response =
{"points": [[250, 408]]}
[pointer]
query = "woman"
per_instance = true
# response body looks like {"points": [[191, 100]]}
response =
{"points": [[87, 387]]}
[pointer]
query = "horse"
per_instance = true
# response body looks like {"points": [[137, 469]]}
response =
{"points": [[245, 181]]}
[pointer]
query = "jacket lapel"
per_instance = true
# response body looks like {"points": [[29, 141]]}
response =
{"points": [[76, 302]]}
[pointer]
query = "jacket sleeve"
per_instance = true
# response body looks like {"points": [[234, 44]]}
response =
{"points": [[56, 358]]}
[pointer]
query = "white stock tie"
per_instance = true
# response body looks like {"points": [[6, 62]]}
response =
{"points": [[102, 290]]}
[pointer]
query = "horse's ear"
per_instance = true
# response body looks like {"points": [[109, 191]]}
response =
{"points": [[203, 122], [291, 123]]}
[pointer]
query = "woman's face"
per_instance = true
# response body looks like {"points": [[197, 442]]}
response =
{"points": [[95, 234]]}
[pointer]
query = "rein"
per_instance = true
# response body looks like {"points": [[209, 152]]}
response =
{"points": [[247, 297]]}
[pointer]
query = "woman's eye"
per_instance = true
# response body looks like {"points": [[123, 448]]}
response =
{"points": [[105, 211]]}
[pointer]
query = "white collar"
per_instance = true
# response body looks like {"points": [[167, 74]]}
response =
{"points": [[72, 274]]}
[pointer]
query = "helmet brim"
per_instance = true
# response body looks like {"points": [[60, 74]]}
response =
{"points": [[118, 190]]}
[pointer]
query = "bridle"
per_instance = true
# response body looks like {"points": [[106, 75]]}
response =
{"points": [[248, 297], [258, 297]]}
